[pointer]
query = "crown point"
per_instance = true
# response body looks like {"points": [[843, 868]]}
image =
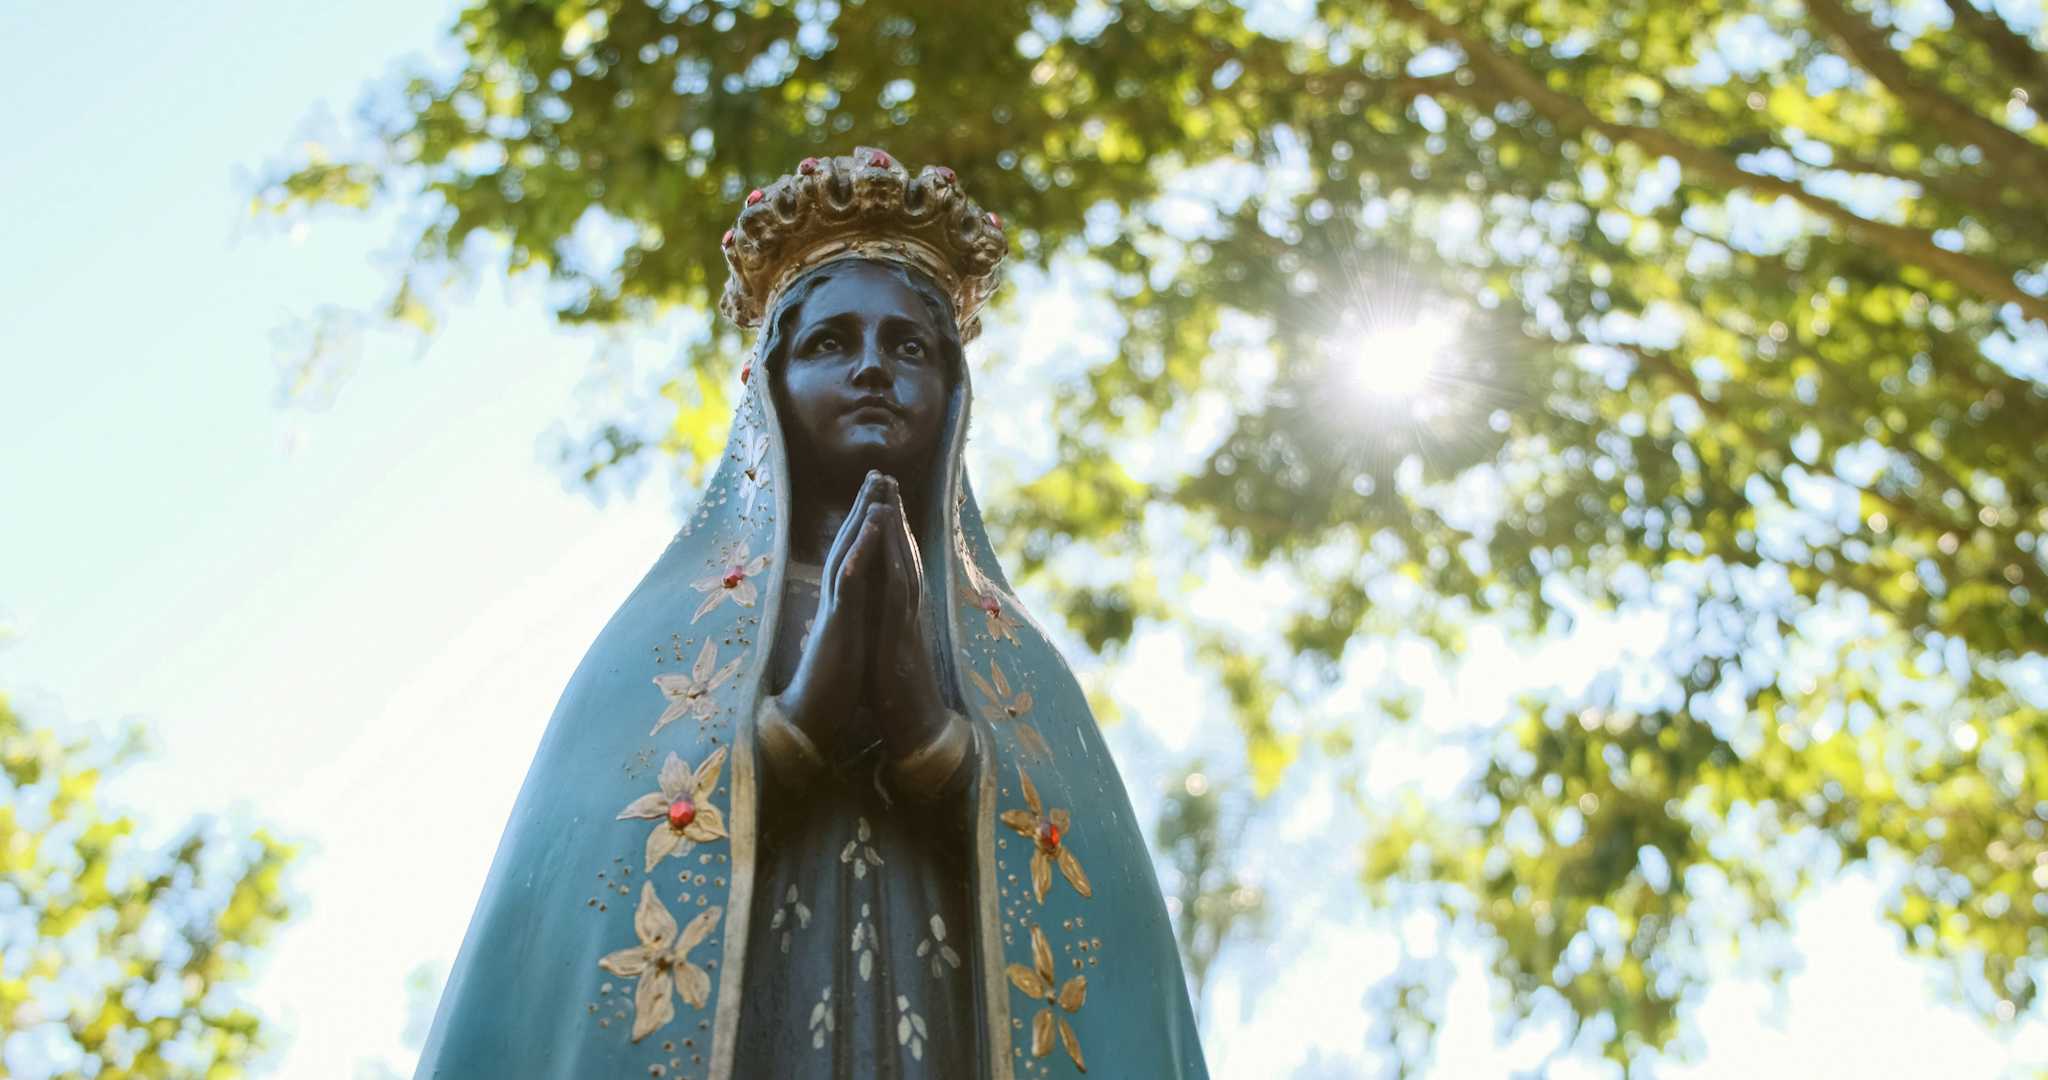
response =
{"points": [[889, 221]]}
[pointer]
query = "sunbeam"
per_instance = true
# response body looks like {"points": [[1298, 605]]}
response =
{"points": [[1390, 360]]}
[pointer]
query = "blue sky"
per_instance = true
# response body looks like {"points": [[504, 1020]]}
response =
{"points": [[352, 624]]}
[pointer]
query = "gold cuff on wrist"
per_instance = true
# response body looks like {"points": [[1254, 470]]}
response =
{"points": [[788, 751], [924, 771]]}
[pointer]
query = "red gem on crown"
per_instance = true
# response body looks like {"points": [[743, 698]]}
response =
{"points": [[946, 174], [754, 196], [879, 160], [807, 166], [726, 241], [995, 219]]}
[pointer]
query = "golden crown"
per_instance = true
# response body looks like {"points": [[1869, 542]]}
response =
{"points": [[864, 205]]}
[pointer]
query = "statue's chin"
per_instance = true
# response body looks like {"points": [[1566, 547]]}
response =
{"points": [[874, 446]]}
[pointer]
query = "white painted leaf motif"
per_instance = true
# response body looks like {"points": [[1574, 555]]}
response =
{"points": [[865, 939], [910, 1028], [858, 851], [935, 948], [821, 1020]]}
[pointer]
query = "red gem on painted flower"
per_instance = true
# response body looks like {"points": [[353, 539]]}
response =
{"points": [[1045, 828], [731, 583], [879, 160], [755, 196], [995, 219], [1000, 625], [807, 166], [682, 793]]}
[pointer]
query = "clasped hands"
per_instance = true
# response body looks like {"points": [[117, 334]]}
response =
{"points": [[866, 645]]}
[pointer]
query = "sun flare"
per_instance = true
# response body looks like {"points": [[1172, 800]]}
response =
{"points": [[1396, 359]]}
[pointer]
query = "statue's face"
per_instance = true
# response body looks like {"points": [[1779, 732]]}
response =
{"points": [[865, 375]]}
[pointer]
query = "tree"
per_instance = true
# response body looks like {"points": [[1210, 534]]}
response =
{"points": [[1752, 299], [122, 960], [1197, 833]]}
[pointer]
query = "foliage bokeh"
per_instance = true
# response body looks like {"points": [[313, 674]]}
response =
{"points": [[120, 957]]}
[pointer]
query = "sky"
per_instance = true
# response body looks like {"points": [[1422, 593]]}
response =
{"points": [[351, 624]]}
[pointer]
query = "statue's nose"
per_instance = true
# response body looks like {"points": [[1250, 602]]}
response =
{"points": [[868, 367]]}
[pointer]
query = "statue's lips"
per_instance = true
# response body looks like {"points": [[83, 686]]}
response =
{"points": [[873, 408]]}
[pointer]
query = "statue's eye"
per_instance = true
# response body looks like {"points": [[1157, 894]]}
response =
{"points": [[912, 347], [824, 343]]}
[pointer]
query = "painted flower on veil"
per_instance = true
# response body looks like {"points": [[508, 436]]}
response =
{"points": [[733, 581], [1003, 706], [755, 473], [1047, 833], [681, 807], [1037, 981], [987, 600], [690, 695], [662, 963]]}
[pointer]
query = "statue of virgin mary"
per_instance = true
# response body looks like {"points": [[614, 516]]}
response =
{"points": [[822, 800]]}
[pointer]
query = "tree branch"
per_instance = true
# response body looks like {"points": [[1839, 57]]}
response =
{"points": [[1688, 383], [1865, 43], [2010, 206], [2013, 204], [1975, 193], [2021, 59], [1902, 244], [1934, 473]]}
